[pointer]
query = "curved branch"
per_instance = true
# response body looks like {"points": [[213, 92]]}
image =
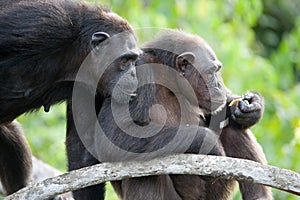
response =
{"points": [[215, 166]]}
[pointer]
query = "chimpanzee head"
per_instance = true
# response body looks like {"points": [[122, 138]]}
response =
{"points": [[194, 65], [201, 68], [112, 60]]}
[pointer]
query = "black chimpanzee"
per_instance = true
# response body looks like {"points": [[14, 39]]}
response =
{"points": [[181, 112], [42, 46]]}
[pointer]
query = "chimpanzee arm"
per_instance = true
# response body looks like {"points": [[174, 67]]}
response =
{"points": [[239, 142], [15, 157], [118, 138], [78, 155]]}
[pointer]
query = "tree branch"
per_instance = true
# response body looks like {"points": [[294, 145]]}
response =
{"points": [[215, 166]]}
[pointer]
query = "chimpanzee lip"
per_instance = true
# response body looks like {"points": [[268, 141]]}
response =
{"points": [[215, 111], [131, 94]]}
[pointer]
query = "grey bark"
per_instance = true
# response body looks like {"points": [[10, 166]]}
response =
{"points": [[215, 166]]}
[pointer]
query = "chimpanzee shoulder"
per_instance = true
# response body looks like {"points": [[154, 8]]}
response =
{"points": [[43, 43]]}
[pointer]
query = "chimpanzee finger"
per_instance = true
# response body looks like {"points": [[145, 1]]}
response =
{"points": [[248, 96], [246, 119], [247, 107], [252, 97]]}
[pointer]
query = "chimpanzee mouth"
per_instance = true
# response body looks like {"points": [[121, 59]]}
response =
{"points": [[131, 94], [214, 107], [207, 114]]}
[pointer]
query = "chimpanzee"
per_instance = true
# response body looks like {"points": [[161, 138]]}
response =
{"points": [[170, 102], [192, 59], [42, 46]]}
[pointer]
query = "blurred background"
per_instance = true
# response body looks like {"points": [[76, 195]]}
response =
{"points": [[258, 43]]}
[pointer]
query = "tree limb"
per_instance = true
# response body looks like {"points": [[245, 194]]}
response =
{"points": [[215, 166]]}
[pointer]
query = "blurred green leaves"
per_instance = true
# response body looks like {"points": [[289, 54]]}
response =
{"points": [[46, 134]]}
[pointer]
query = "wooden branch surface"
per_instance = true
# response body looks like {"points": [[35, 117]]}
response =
{"points": [[215, 166]]}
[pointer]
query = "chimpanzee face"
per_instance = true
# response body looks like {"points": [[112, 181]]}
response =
{"points": [[119, 54], [202, 70]]}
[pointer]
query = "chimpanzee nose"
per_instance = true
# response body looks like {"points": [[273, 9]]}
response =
{"points": [[218, 65], [133, 71], [138, 61]]}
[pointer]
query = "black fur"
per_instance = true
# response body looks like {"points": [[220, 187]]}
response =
{"points": [[42, 45], [15, 156]]}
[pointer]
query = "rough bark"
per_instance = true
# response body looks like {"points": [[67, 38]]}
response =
{"points": [[215, 166]]}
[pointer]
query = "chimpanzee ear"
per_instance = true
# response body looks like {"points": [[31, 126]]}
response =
{"points": [[98, 37], [183, 60], [189, 56]]}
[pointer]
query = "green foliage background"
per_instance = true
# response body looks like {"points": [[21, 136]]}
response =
{"points": [[258, 43]]}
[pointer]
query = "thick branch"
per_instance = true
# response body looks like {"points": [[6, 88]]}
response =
{"points": [[228, 168]]}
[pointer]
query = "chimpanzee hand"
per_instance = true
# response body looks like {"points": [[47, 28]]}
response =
{"points": [[247, 110]]}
